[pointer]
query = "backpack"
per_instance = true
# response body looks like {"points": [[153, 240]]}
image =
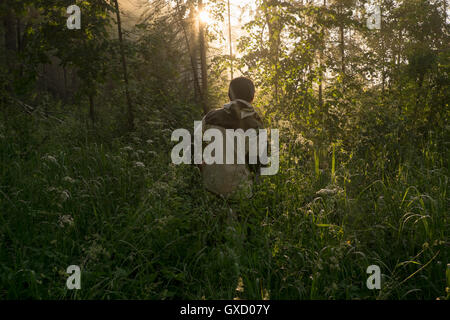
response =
{"points": [[231, 181]]}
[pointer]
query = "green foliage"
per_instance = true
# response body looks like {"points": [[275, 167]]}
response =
{"points": [[140, 227], [363, 164]]}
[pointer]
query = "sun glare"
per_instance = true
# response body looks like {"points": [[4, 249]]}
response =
{"points": [[204, 17]]}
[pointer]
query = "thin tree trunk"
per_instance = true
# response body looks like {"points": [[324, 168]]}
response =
{"points": [[10, 37], [130, 112], [321, 61], [191, 55], [274, 39], [445, 11], [229, 36], [342, 43], [201, 35]]}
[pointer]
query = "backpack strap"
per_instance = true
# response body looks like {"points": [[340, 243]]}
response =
{"points": [[245, 111]]}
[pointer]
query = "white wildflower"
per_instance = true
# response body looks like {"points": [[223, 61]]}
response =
{"points": [[65, 219], [50, 158], [326, 192], [154, 123], [284, 124], [68, 179], [139, 164], [127, 148], [64, 195], [301, 140]]}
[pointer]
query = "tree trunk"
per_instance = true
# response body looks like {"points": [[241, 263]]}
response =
{"points": [[9, 24], [201, 34], [130, 111], [191, 55], [229, 36], [342, 43], [273, 23], [321, 61]]}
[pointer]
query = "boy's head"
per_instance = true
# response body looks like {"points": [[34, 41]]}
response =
{"points": [[241, 88]]}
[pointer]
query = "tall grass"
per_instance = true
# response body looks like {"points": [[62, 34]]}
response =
{"points": [[140, 227]]}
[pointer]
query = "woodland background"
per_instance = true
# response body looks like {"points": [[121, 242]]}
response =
{"points": [[86, 178]]}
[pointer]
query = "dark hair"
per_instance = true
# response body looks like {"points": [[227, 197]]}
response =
{"points": [[243, 88]]}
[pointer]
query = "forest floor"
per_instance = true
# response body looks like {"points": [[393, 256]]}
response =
{"points": [[140, 227]]}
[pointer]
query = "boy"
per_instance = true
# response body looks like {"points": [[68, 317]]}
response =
{"points": [[232, 180]]}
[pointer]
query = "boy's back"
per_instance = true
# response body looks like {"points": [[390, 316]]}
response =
{"points": [[229, 180]]}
